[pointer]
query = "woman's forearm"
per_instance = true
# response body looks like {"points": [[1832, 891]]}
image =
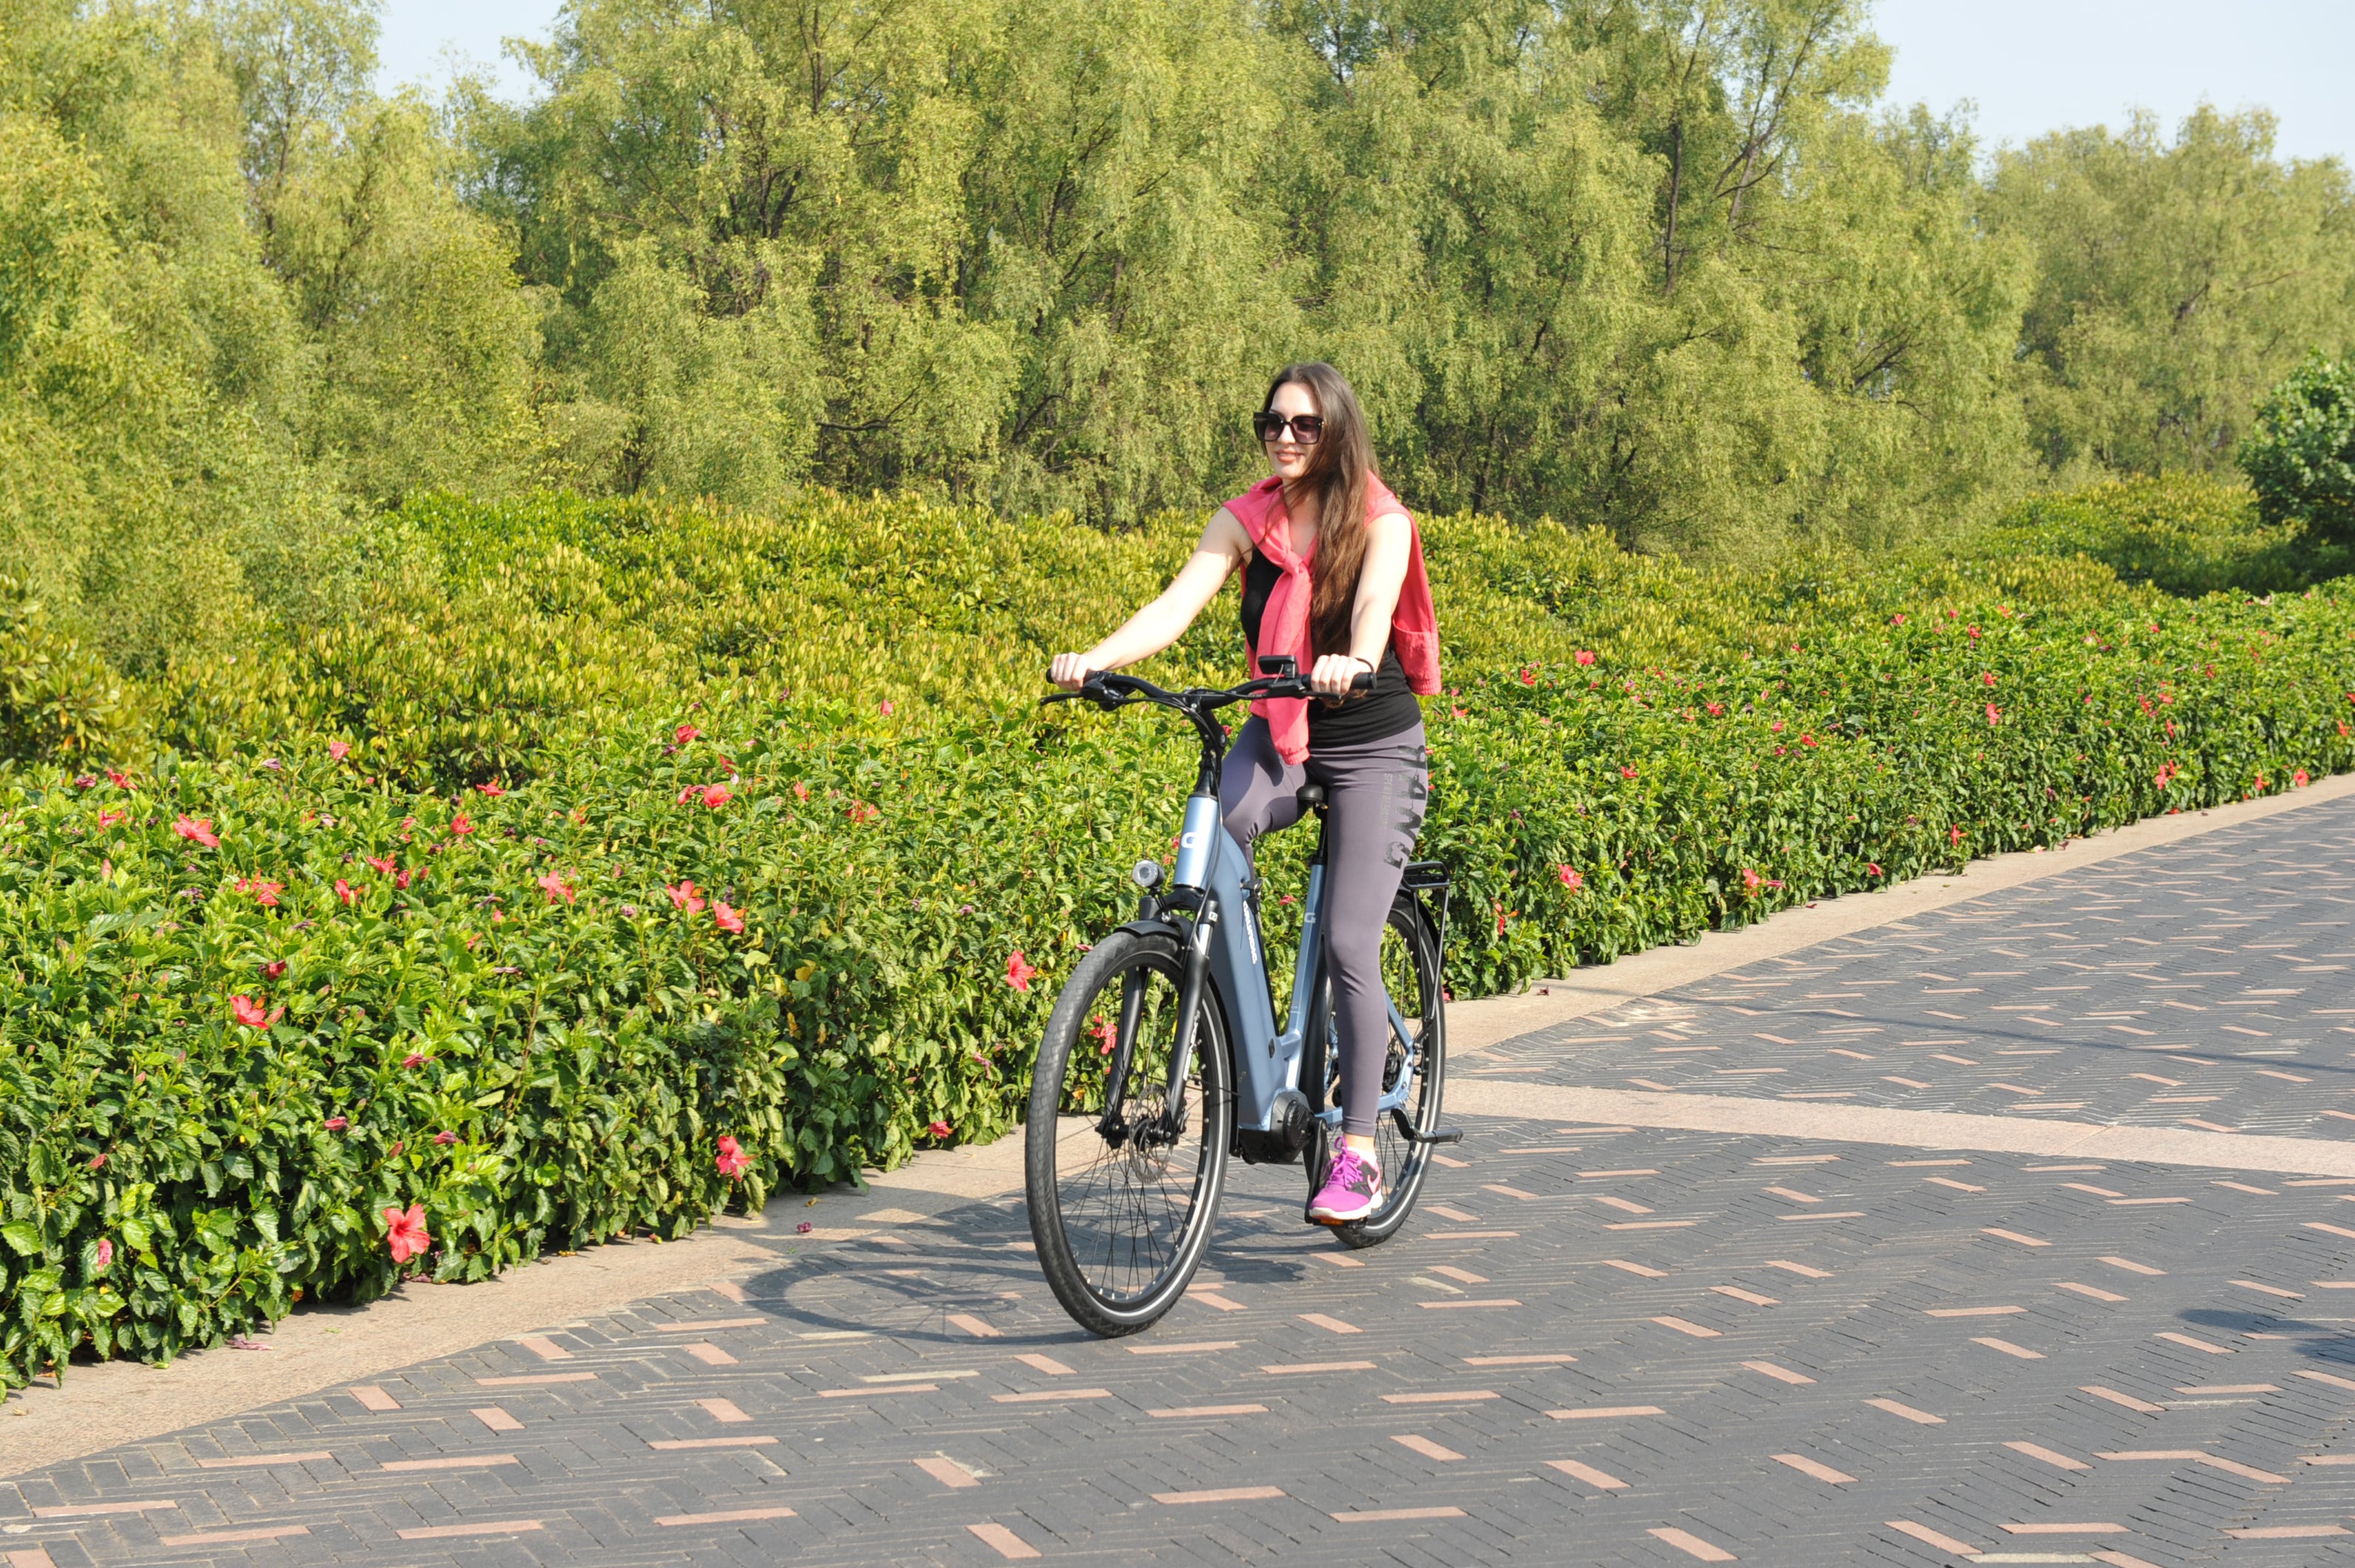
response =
{"points": [[1141, 636], [1165, 620]]}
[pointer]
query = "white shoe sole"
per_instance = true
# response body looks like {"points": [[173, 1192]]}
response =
{"points": [[1333, 1217]]}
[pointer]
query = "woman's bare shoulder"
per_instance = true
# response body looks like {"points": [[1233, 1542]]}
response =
{"points": [[1225, 532]]}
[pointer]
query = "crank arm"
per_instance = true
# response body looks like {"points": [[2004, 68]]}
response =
{"points": [[1443, 1135]]}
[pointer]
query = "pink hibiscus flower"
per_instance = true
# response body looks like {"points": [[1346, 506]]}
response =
{"points": [[1019, 972], [732, 1161], [717, 796], [683, 896], [249, 1012], [728, 919], [339, 750], [1570, 878], [558, 889], [199, 830], [406, 1233]]}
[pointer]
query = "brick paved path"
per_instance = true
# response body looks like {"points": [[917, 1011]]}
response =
{"points": [[1597, 1344]]}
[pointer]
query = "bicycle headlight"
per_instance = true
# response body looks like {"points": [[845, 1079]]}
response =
{"points": [[1146, 874]]}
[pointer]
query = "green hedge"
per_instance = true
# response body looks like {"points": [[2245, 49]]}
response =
{"points": [[535, 1044]]}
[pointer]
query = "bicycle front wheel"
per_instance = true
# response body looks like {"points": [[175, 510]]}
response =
{"points": [[1122, 1198]]}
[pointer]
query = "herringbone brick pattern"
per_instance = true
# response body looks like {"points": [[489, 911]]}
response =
{"points": [[1594, 1345]]}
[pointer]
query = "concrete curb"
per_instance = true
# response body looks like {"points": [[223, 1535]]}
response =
{"points": [[1902, 1129]]}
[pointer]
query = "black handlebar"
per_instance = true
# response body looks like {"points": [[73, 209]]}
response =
{"points": [[1109, 690]]}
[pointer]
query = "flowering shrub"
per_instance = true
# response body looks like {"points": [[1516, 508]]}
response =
{"points": [[355, 996]]}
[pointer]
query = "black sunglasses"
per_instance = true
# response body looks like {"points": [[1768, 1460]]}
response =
{"points": [[1305, 428]]}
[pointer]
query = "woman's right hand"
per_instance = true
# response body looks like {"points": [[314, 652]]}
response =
{"points": [[1070, 671]]}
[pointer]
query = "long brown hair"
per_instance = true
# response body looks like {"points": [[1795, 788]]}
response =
{"points": [[1340, 472]]}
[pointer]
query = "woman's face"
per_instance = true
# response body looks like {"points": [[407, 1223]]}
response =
{"points": [[1285, 454]]}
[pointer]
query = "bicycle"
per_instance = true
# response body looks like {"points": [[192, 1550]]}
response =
{"points": [[1162, 1058]]}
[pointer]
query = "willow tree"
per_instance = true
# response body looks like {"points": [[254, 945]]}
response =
{"points": [[2178, 282]]}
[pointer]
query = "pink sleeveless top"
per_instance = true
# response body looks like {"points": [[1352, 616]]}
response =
{"points": [[1284, 627]]}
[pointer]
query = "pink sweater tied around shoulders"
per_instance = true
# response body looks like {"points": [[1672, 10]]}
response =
{"points": [[1284, 627]]}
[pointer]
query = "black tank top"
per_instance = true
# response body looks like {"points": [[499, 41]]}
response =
{"points": [[1389, 709]]}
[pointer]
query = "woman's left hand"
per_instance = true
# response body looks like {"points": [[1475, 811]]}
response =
{"points": [[1333, 672]]}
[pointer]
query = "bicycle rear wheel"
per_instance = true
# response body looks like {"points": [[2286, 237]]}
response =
{"points": [[1122, 1204], [1409, 960]]}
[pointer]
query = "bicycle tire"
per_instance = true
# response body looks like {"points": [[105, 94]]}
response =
{"points": [[1404, 1163], [1122, 1224]]}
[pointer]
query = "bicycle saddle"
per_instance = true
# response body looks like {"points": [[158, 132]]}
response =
{"points": [[1312, 798]]}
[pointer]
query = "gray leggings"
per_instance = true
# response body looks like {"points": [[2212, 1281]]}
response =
{"points": [[1376, 792]]}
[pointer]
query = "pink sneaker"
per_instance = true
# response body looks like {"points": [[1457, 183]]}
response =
{"points": [[1352, 1190]]}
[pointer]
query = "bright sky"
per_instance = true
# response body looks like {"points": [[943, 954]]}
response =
{"points": [[2030, 65]]}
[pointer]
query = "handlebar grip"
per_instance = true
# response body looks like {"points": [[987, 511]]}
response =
{"points": [[1363, 683]]}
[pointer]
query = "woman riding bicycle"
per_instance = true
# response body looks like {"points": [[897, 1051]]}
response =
{"points": [[1333, 576]]}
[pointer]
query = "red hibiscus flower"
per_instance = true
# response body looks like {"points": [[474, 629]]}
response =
{"points": [[199, 830], [684, 733], [249, 1012], [941, 1129], [716, 795], [728, 919], [1626, 772], [1018, 974], [460, 826], [381, 863], [493, 789], [801, 790], [1585, 656], [336, 1124], [345, 891], [339, 750], [684, 896], [1570, 878], [406, 1233], [105, 1254], [415, 1059], [1994, 714], [1529, 676], [558, 889], [275, 967], [732, 1161]]}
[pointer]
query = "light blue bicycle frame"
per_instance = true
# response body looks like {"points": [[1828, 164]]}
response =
{"points": [[1210, 861]]}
